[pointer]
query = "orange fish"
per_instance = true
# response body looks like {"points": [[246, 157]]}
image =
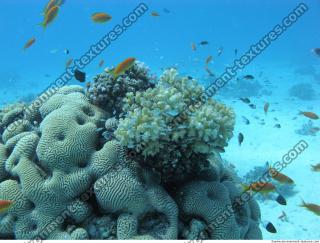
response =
{"points": [[266, 107], [209, 59], [50, 16], [279, 176], [194, 47], [29, 43], [155, 14], [100, 17], [101, 63], [262, 187], [122, 67], [309, 114], [5, 205], [316, 167], [52, 3], [311, 207], [69, 62]]}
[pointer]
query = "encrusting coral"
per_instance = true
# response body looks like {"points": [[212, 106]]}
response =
{"points": [[108, 92], [69, 170]]}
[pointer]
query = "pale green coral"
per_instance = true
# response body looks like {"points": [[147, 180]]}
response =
{"points": [[149, 126]]}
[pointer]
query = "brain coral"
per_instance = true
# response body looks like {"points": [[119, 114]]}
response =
{"points": [[67, 182]]}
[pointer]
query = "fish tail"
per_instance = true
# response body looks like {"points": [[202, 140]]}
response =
{"points": [[245, 187], [303, 203]]}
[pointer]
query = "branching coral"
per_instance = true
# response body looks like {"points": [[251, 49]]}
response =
{"points": [[149, 128]]}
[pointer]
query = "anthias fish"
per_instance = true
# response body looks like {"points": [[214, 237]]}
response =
{"points": [[309, 114], [261, 187], [311, 207], [209, 71], [50, 16], [101, 63], [5, 205], [29, 43], [101, 17], [208, 59], [123, 66], [51, 4], [155, 14], [278, 176], [193, 46], [315, 167], [69, 62]]}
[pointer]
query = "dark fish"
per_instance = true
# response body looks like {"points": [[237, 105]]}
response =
{"points": [[189, 77], [166, 10], [80, 76], [270, 227], [240, 138], [248, 76], [253, 106], [266, 107], [66, 51], [316, 51], [281, 200], [203, 43], [245, 100], [246, 120], [209, 71], [260, 74], [220, 50], [277, 125], [236, 52]]}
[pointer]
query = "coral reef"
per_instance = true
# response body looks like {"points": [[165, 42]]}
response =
{"points": [[177, 148], [302, 91], [308, 129], [108, 92], [69, 177]]}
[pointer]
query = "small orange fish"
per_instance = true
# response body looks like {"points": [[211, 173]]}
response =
{"points": [[5, 205], [194, 47], [266, 107], [123, 66], [69, 62], [279, 176], [100, 17], [309, 114], [315, 167], [261, 187], [50, 16], [311, 207], [208, 59], [52, 3], [209, 71], [101, 63], [155, 14], [29, 43]]}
